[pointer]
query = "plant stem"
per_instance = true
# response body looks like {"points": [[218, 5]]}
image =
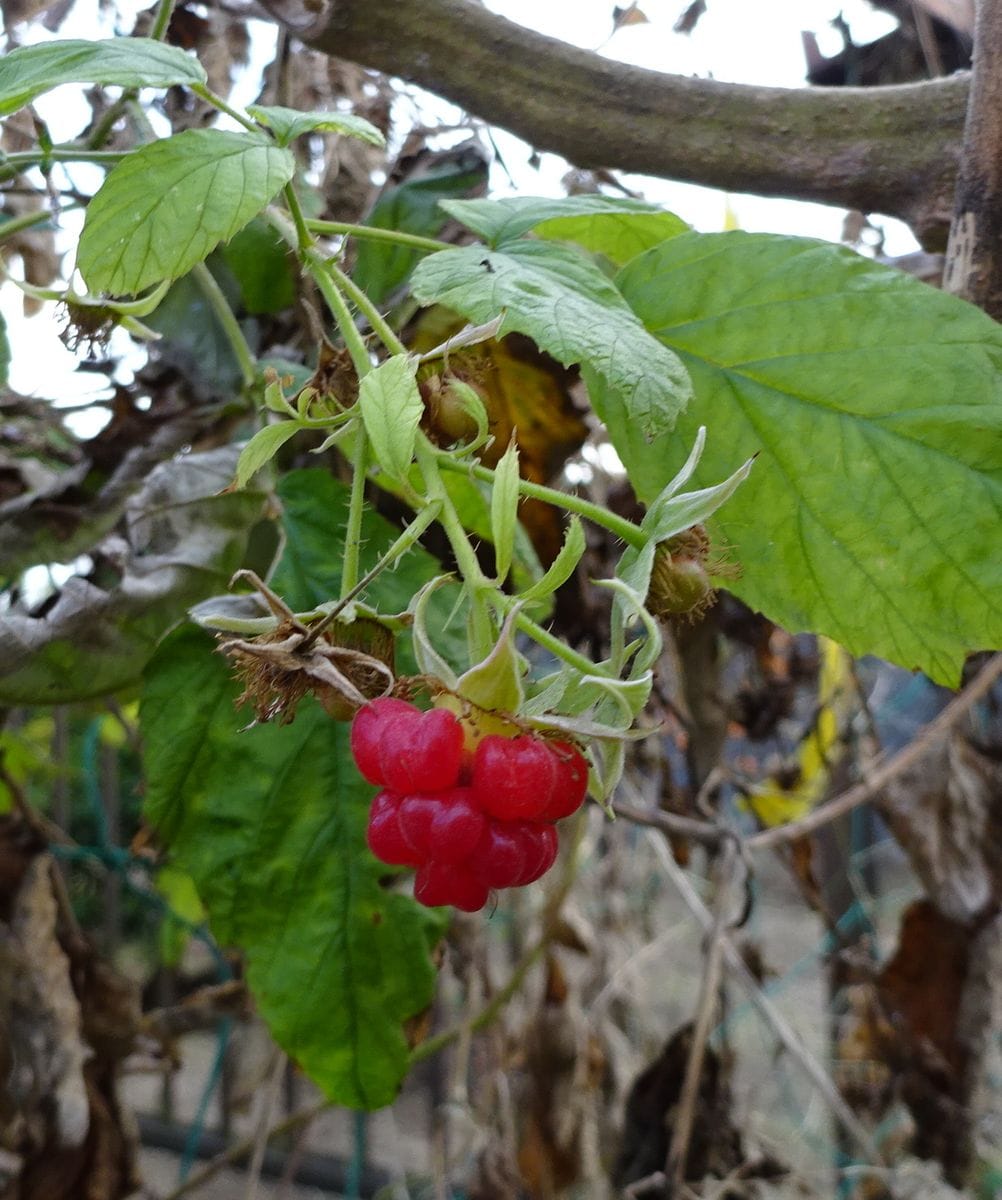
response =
{"points": [[165, 10], [618, 526], [373, 233], [11, 164], [477, 583], [356, 507], [404, 542], [210, 97], [296, 212], [340, 311], [371, 313], [211, 290], [26, 221], [555, 646]]}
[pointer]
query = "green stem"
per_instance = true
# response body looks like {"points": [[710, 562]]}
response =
{"points": [[165, 10], [479, 586], [303, 235], [356, 508], [210, 97], [374, 234], [555, 646], [16, 224], [211, 290], [632, 534], [368, 310], [12, 164], [404, 542], [340, 312]]}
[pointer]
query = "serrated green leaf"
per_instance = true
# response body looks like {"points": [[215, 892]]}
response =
{"points": [[170, 203], [873, 512], [570, 309], [391, 408], [562, 567], [504, 510], [289, 123], [262, 448], [270, 824], [29, 71], [601, 219]]}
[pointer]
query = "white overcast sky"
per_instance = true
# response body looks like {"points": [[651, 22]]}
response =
{"points": [[734, 41]]}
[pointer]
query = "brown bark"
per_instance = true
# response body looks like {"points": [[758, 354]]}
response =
{"points": [[891, 150], [974, 260]]}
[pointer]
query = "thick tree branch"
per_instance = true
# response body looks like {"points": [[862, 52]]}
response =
{"points": [[892, 150], [974, 260]]}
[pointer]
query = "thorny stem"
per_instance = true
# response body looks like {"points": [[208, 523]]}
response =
{"points": [[296, 212], [479, 586], [371, 313], [556, 647], [213, 293], [403, 543], [373, 233], [618, 526], [341, 313], [360, 456]]}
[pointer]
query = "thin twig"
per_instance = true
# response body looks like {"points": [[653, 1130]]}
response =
{"points": [[709, 988], [674, 824], [880, 776], [268, 1099], [233, 1155], [773, 1017]]}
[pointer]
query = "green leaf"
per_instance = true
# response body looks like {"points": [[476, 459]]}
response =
{"points": [[411, 207], [129, 62], [570, 309], [262, 448], [289, 123], [260, 263], [495, 683], [594, 217], [170, 203], [504, 510], [562, 567], [391, 408], [618, 236], [670, 513], [270, 824], [875, 402]]}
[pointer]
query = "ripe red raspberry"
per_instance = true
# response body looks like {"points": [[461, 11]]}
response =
{"points": [[445, 826], [367, 733], [421, 751], [513, 853], [384, 835], [443, 883], [572, 782], [514, 778]]}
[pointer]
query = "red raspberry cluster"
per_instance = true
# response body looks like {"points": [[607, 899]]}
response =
{"points": [[469, 823]]}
